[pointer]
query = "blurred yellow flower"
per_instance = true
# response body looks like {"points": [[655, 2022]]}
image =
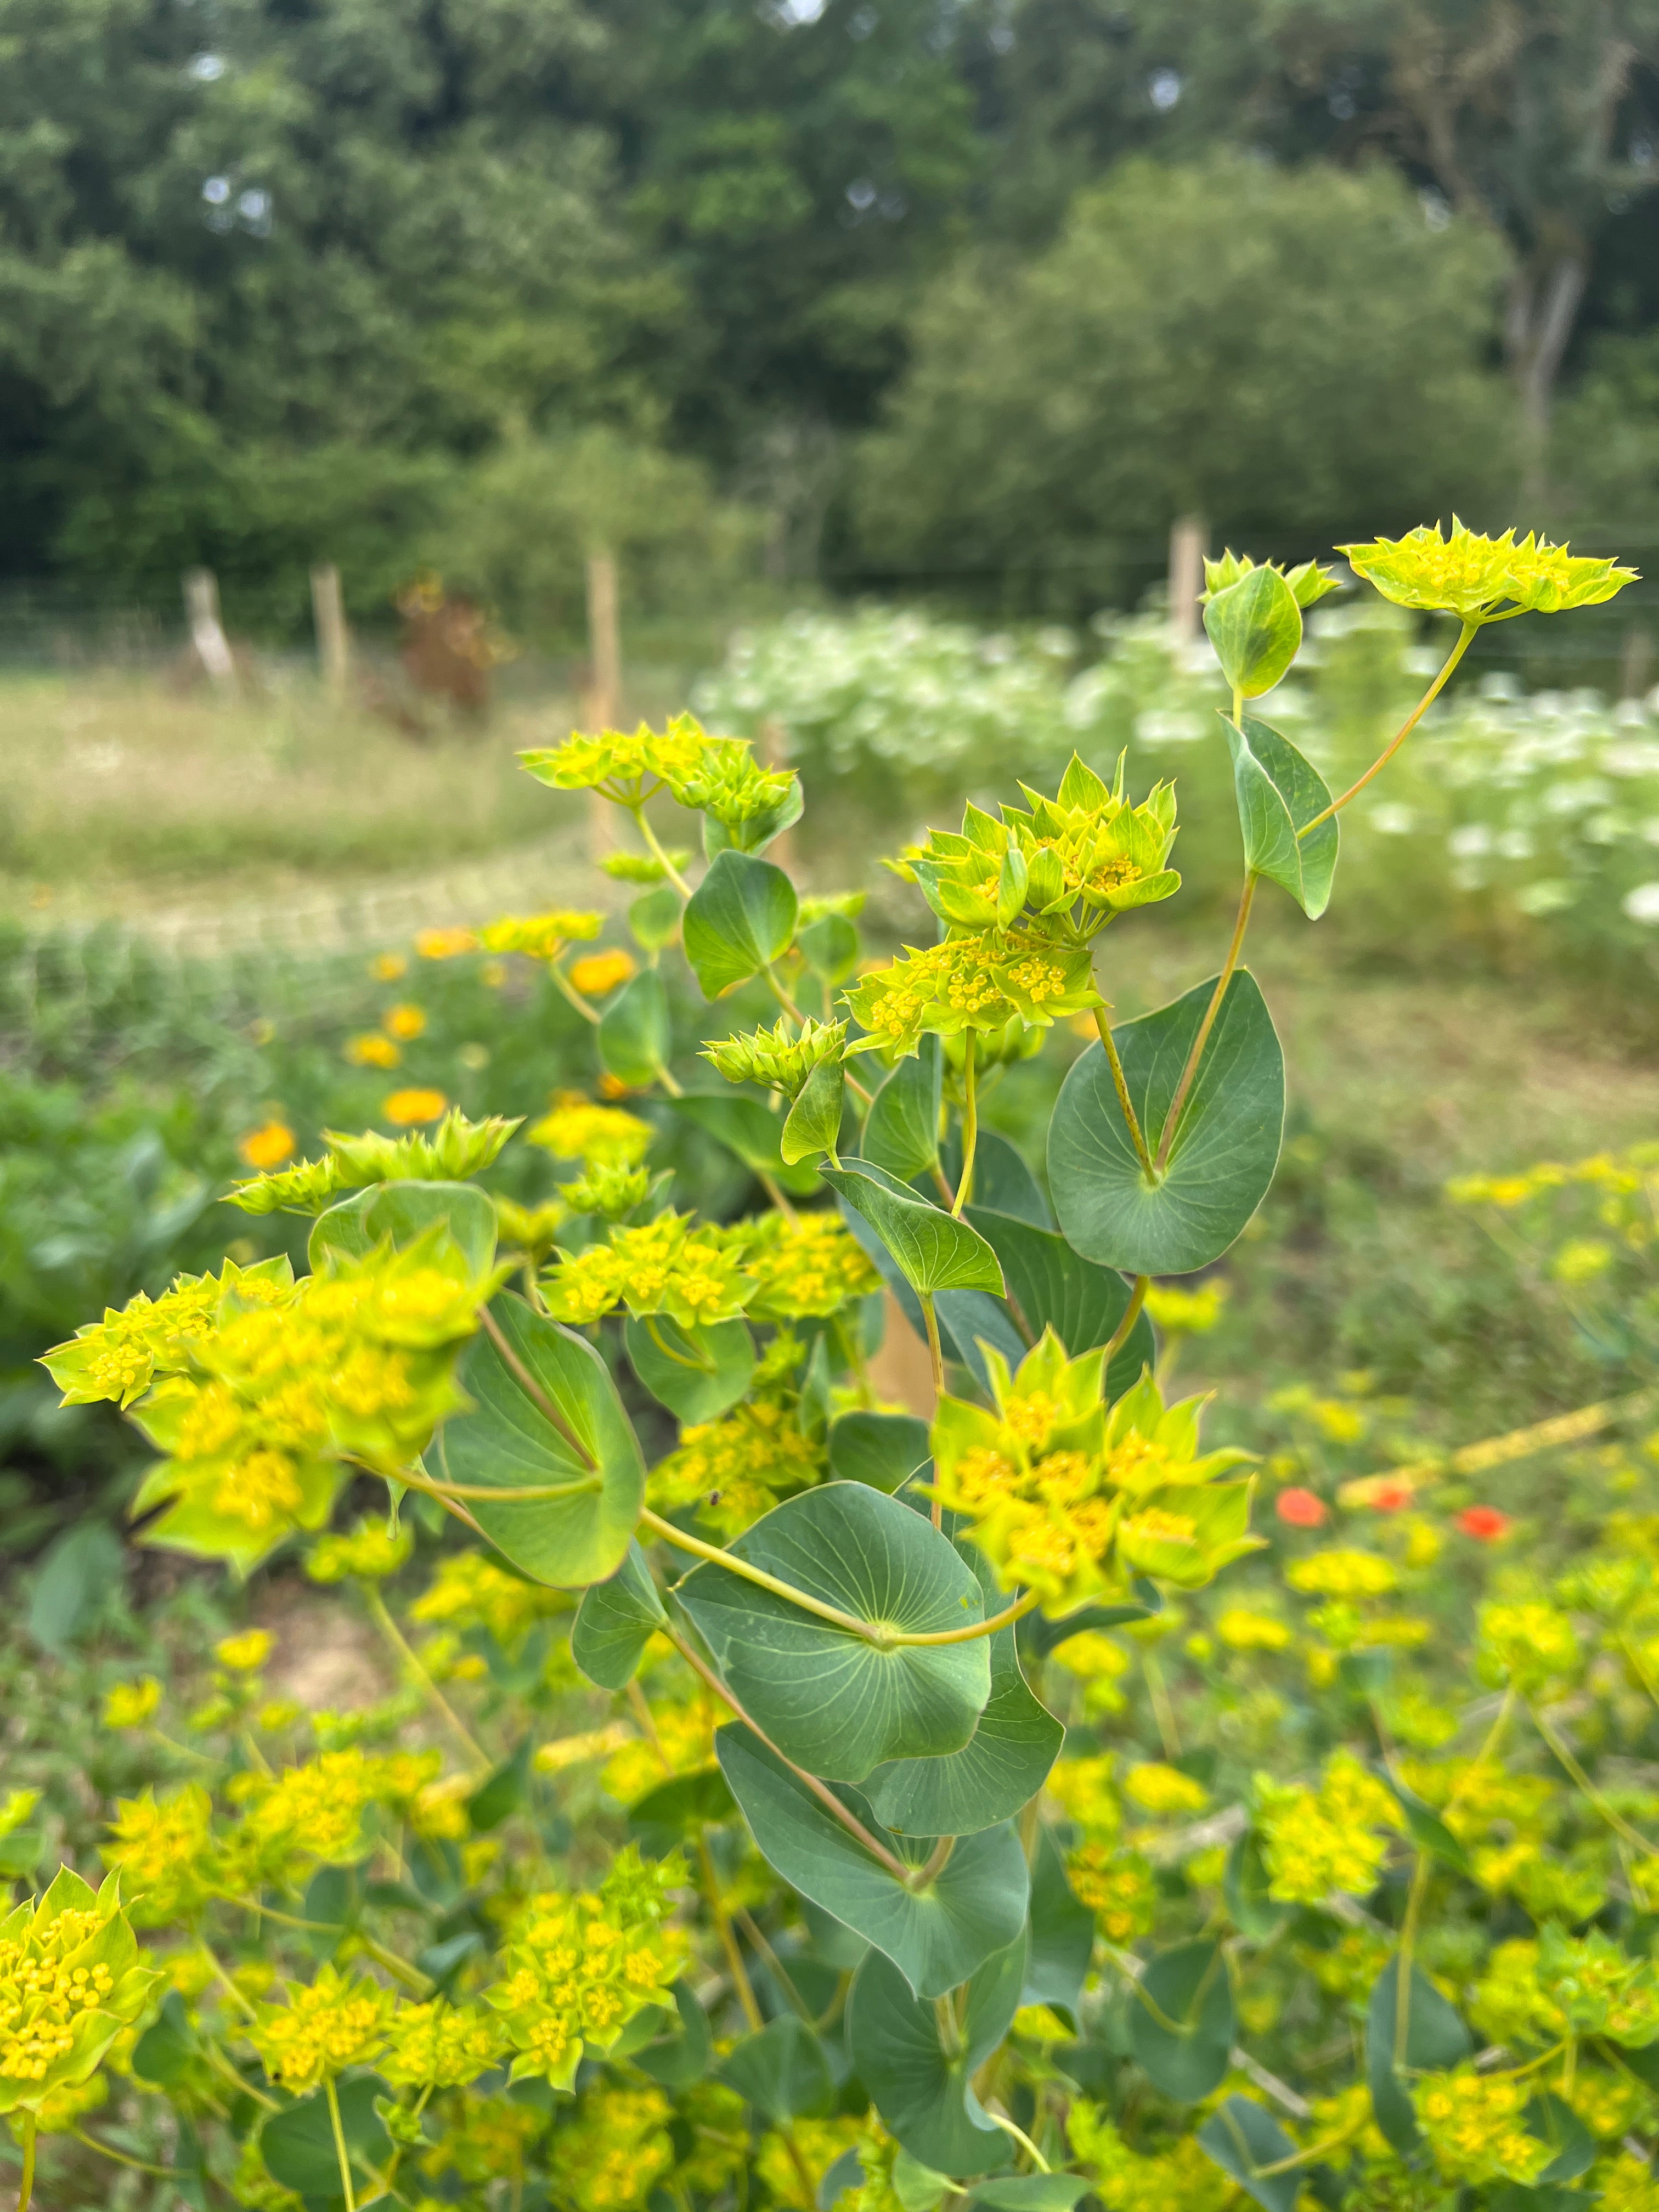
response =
{"points": [[404, 1022], [444, 944], [386, 967], [599, 972], [372, 1051], [130, 1705], [267, 1146], [404, 1108], [245, 1652]]}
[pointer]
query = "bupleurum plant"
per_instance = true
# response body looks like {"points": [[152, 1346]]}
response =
{"points": [[870, 1932]]}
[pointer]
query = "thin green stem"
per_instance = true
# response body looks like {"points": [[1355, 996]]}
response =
{"points": [[121, 2158], [669, 1083], [1022, 2139], [1120, 1336], [969, 1127], [701, 1366], [782, 995], [975, 1630], [936, 1353], [733, 1564], [1189, 1073], [1402, 734], [1120, 1083], [1615, 1819], [1402, 1994], [711, 1890], [779, 1973], [938, 1859], [221, 1974], [637, 809], [567, 989], [428, 1689], [340, 2151], [26, 2186], [445, 1491], [1163, 1710]]}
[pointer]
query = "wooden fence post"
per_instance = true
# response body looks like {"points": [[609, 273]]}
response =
{"points": [[1189, 538], [207, 635], [603, 704], [328, 614]]}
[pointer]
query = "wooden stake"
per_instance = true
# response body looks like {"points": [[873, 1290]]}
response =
{"points": [[328, 614], [1189, 539], [207, 635], [602, 705]]}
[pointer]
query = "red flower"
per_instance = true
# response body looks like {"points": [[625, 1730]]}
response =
{"points": [[1484, 1522], [1391, 1497], [1300, 1508]]}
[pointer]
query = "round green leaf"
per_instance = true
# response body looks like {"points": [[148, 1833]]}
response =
{"points": [[933, 1252], [298, 2147], [1000, 1770], [1245, 1886], [740, 919], [1050, 1287], [1002, 1182], [935, 1938], [1227, 1147], [1062, 1934], [748, 1129], [614, 1623], [1278, 793], [403, 1211], [1242, 2137], [1031, 2192], [681, 2057], [654, 918], [1181, 2021], [901, 1131], [670, 1813], [831, 1700], [1434, 2040], [781, 2071], [882, 1449], [829, 947], [711, 1372], [1255, 627], [926, 2099], [634, 1034], [509, 1443]]}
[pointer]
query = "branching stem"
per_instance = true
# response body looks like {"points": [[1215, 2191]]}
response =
{"points": [[1120, 1083], [1189, 1073], [1402, 734], [969, 1127], [409, 1659], [534, 1389]]}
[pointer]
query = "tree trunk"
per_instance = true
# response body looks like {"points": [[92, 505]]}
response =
{"points": [[1543, 308]]}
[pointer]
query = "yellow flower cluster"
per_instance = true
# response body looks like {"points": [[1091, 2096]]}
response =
{"points": [[735, 1469], [371, 1552], [807, 1268], [613, 1192], [602, 1136], [1318, 1842], [1617, 1176], [1242, 1630], [331, 2023], [448, 2045], [1118, 1886], [1073, 1500], [980, 982], [717, 775], [1476, 2130], [130, 1705], [1164, 1791], [472, 1590], [1467, 574], [684, 1744], [1343, 1575], [613, 2153], [540, 936], [1180, 2180], [165, 1853], [667, 1266], [1176, 1312], [1085, 1789], [1532, 1646], [118, 1358], [777, 1058], [71, 1981], [578, 1968]]}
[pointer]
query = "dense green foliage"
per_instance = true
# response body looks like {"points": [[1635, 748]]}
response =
{"points": [[277, 279]]}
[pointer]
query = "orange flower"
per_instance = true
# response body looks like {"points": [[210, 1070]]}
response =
{"points": [[372, 1051], [404, 1022], [1485, 1524], [444, 944], [386, 967], [267, 1146], [1300, 1509], [596, 973], [404, 1108]]}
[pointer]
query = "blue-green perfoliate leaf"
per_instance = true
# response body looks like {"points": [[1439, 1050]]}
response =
{"points": [[931, 1251], [1431, 2038], [781, 2071], [829, 946], [1243, 2138], [1062, 1934], [901, 1131], [740, 919], [1182, 2021], [813, 1126], [832, 1700], [545, 1419], [1221, 1162], [1255, 627], [634, 1035], [1278, 794], [654, 919], [936, 1937], [615, 1622], [923, 2092], [883, 1450], [697, 1373], [1053, 1287]]}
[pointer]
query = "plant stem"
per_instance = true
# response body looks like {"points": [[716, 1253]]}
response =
{"points": [[1615, 1820], [700, 1366], [674, 1089], [1022, 2139], [734, 1565], [637, 809], [1163, 1710], [855, 1828], [976, 1629], [567, 989], [443, 1492], [1121, 1084], [938, 1860], [1402, 734], [711, 1889], [121, 2158], [527, 1381], [1402, 1993], [430, 1690], [936, 1353], [1120, 1335], [340, 2151], [750, 1928], [1188, 1074], [776, 1196], [26, 2186], [970, 1126]]}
